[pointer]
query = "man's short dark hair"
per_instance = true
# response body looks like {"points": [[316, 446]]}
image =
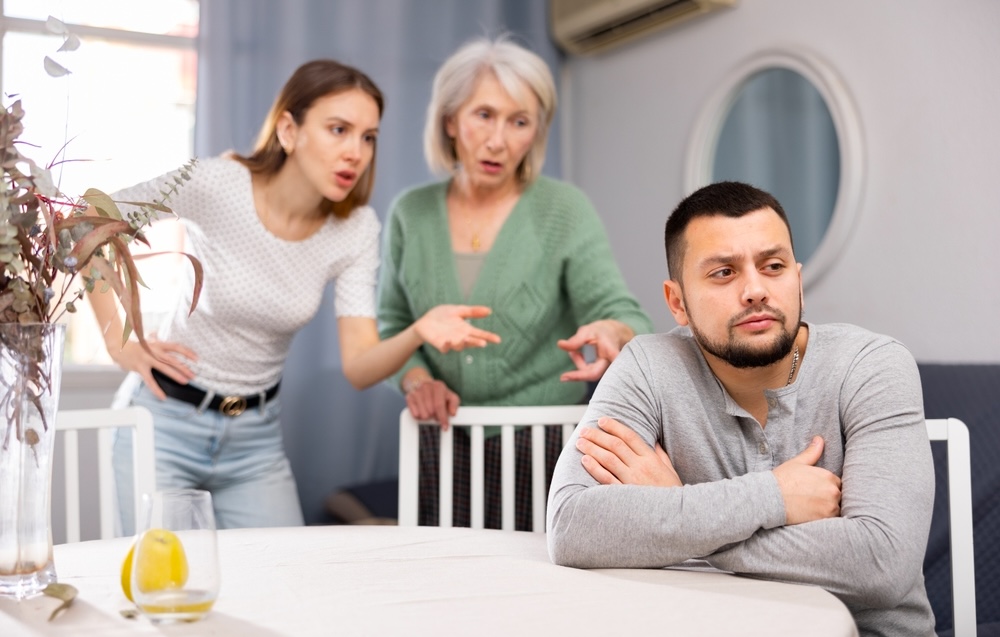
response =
{"points": [[726, 198]]}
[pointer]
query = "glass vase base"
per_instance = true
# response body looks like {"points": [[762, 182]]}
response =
{"points": [[20, 586]]}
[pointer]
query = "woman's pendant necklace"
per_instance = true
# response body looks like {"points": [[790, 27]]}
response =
{"points": [[474, 241], [487, 218]]}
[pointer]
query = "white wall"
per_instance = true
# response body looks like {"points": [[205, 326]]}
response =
{"points": [[923, 263]]}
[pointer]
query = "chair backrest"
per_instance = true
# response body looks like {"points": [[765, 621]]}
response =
{"points": [[963, 568], [475, 419], [68, 423]]}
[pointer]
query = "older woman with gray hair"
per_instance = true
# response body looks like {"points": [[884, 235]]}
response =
{"points": [[497, 233]]}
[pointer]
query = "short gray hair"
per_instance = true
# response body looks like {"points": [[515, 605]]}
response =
{"points": [[455, 81]]}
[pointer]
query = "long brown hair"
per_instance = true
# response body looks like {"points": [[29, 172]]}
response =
{"points": [[308, 83]]}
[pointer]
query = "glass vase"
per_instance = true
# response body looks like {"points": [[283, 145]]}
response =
{"points": [[30, 375]]}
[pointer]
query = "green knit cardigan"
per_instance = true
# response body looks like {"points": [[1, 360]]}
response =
{"points": [[549, 271]]}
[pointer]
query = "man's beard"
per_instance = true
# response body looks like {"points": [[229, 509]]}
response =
{"points": [[741, 355]]}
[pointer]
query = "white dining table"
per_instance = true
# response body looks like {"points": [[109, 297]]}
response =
{"points": [[388, 580]]}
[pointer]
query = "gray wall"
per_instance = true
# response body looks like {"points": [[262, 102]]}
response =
{"points": [[922, 261]]}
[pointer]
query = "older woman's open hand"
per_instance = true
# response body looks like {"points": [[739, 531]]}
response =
{"points": [[445, 327]]}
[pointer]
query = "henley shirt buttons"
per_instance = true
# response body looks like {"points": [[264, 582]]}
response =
{"points": [[468, 359], [762, 447], [773, 402]]}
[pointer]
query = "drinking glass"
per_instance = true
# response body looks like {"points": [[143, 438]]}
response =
{"points": [[175, 568]]}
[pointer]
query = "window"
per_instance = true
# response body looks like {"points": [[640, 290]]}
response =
{"points": [[124, 114]]}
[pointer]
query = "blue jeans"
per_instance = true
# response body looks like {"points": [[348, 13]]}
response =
{"points": [[240, 460]]}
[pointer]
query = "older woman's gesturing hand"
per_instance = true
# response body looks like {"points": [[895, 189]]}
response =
{"points": [[607, 337], [445, 327]]}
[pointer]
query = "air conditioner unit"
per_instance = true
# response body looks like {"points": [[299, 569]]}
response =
{"points": [[588, 26]]}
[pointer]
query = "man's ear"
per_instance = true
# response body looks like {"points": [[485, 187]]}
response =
{"points": [[674, 296], [802, 298]]}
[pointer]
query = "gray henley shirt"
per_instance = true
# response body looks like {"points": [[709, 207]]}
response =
{"points": [[858, 390]]}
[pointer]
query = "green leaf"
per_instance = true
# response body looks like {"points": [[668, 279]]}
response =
{"points": [[106, 206], [63, 592], [98, 237], [199, 274], [149, 204], [43, 180], [129, 296], [126, 331]]}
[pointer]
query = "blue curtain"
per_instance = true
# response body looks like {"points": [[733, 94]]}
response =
{"points": [[335, 435]]}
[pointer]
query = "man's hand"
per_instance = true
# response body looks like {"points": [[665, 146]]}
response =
{"points": [[615, 454], [810, 492], [608, 337], [167, 357], [429, 399]]}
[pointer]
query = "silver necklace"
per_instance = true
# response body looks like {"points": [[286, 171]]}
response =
{"points": [[795, 363]]}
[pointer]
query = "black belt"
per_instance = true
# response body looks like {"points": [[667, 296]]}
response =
{"points": [[227, 405]]}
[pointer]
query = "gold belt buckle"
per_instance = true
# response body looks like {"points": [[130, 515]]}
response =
{"points": [[233, 405]]}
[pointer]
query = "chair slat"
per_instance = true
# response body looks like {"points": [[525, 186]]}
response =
{"points": [[409, 465], [446, 480], [963, 566], [143, 458], [106, 475], [960, 501], [477, 474], [538, 478], [507, 490], [71, 466]]}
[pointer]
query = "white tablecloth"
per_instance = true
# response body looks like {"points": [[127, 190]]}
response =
{"points": [[359, 580]]}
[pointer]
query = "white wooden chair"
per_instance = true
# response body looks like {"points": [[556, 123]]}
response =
{"points": [[475, 419], [963, 566], [68, 424]]}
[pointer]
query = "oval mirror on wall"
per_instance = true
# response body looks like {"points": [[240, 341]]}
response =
{"points": [[783, 122]]}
